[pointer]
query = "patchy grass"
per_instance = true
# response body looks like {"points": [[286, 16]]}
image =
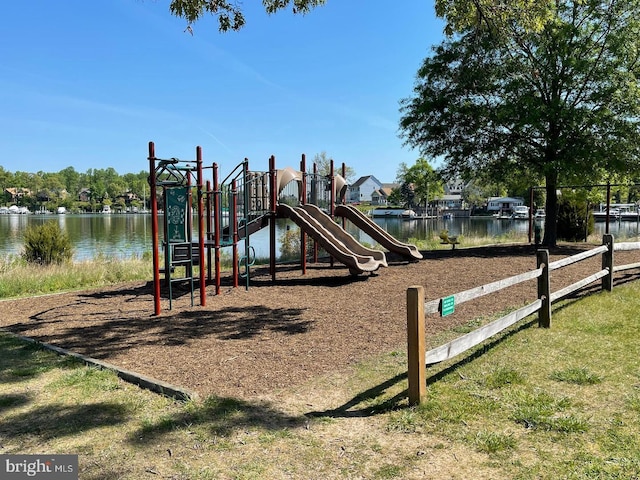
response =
{"points": [[577, 376], [540, 404]]}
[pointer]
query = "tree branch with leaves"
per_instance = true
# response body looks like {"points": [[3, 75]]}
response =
{"points": [[229, 13]]}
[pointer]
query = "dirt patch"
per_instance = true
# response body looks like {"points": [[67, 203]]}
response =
{"points": [[252, 342]]}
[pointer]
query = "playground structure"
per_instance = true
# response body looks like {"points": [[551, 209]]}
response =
{"points": [[231, 210]]}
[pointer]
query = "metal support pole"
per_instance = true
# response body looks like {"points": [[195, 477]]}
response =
{"points": [[246, 185], [341, 199], [303, 201], [272, 224], [233, 225], [332, 204], [154, 228], [209, 227], [203, 283], [315, 190], [216, 225]]}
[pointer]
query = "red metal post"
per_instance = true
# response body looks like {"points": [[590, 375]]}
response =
{"points": [[209, 226], [342, 196], [203, 284], [216, 225], [247, 186], [303, 200], [332, 179], [344, 175], [154, 228], [233, 225], [272, 224], [315, 179], [332, 204]]}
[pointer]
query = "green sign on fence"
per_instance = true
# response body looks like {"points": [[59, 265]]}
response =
{"points": [[448, 306]]}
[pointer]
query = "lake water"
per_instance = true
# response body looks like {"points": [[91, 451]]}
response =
{"points": [[123, 235]]}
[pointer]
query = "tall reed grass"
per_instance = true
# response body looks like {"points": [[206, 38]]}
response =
{"points": [[19, 278], [434, 242]]}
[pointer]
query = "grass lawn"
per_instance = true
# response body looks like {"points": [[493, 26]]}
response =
{"points": [[538, 404]]}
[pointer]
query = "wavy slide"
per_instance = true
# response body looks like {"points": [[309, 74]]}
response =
{"points": [[377, 233], [334, 239]]}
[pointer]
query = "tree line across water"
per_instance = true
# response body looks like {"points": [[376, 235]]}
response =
{"points": [[76, 191]]}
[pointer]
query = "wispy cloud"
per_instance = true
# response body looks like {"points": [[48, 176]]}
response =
{"points": [[218, 141]]}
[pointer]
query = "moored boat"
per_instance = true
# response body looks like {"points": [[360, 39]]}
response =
{"points": [[393, 212], [521, 212]]}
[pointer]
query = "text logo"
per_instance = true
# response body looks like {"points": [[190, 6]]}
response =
{"points": [[49, 467]]}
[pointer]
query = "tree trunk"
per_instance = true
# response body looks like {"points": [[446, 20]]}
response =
{"points": [[551, 210]]}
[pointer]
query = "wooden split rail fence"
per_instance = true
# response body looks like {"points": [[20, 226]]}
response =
{"points": [[418, 358]]}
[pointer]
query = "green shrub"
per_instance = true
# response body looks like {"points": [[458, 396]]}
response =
{"points": [[575, 221], [46, 244], [290, 243]]}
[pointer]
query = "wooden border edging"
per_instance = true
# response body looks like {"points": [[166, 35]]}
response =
{"points": [[148, 383], [418, 359]]}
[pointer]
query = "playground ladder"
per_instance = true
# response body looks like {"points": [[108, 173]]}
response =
{"points": [[181, 255], [179, 251]]}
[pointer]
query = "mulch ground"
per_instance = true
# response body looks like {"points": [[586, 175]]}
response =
{"points": [[248, 343]]}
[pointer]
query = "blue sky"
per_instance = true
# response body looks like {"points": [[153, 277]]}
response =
{"points": [[88, 84]]}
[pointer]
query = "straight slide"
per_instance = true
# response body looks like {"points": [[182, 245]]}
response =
{"points": [[377, 233], [336, 241]]}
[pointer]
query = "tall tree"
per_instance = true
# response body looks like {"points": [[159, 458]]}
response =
{"points": [[323, 164], [229, 13], [420, 183], [71, 180], [559, 105]]}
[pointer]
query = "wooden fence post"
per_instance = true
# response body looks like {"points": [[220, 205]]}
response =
{"points": [[544, 289], [416, 345], [607, 262]]}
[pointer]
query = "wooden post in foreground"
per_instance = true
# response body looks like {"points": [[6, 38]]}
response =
{"points": [[544, 289], [607, 262], [416, 345]]}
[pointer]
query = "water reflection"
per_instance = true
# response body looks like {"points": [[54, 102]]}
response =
{"points": [[124, 235]]}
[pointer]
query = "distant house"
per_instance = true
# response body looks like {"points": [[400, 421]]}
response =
{"points": [[452, 201], [127, 198], [84, 195], [454, 187], [43, 196], [381, 196], [452, 198], [363, 189], [503, 204], [15, 194]]}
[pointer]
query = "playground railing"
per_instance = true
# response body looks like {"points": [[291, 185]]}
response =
{"points": [[419, 358]]}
